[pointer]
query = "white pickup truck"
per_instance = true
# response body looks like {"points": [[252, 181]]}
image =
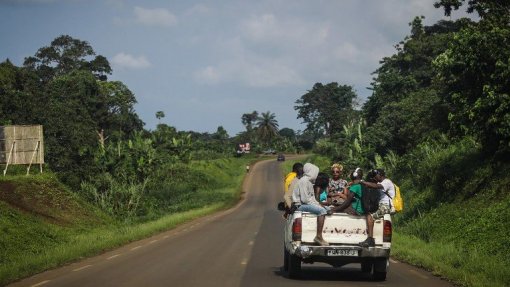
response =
{"points": [[343, 232]]}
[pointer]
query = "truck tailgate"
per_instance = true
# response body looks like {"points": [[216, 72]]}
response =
{"points": [[340, 228]]}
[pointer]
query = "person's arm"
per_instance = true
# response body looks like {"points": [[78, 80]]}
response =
{"points": [[372, 185], [317, 193]]}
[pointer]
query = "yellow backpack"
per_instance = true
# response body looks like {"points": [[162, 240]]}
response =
{"points": [[397, 201]]}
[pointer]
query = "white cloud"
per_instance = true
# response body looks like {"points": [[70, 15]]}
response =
{"points": [[346, 52], [123, 60], [290, 32], [209, 75], [196, 10], [155, 17], [251, 71]]}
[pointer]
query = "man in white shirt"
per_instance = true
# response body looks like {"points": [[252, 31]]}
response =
{"points": [[387, 189]]}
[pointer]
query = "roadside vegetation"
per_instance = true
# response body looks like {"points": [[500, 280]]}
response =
{"points": [[45, 224]]}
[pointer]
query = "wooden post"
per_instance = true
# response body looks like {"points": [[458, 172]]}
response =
{"points": [[33, 154], [9, 157]]}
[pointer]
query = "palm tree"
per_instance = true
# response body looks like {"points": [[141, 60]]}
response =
{"points": [[160, 115], [267, 127]]}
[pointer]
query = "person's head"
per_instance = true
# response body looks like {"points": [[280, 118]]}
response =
{"points": [[336, 170], [357, 174], [298, 169], [379, 174], [322, 180], [371, 176], [311, 171]]}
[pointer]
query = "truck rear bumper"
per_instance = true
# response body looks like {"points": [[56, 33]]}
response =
{"points": [[346, 252]]}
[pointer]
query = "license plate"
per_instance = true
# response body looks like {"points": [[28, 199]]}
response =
{"points": [[342, 252]]}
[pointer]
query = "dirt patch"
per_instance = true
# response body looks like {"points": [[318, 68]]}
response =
{"points": [[45, 200]]}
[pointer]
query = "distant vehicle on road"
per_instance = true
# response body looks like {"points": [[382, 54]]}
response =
{"points": [[280, 157], [269, 151]]}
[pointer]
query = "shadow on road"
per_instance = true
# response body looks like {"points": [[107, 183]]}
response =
{"points": [[327, 273]]}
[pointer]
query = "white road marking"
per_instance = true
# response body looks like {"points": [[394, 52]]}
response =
{"points": [[244, 262], [81, 268], [134, 248], [41, 283], [156, 240], [393, 261], [250, 243], [111, 257], [418, 274], [166, 236]]}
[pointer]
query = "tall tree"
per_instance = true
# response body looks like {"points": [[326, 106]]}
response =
{"points": [[288, 133], [160, 115], [64, 55], [267, 127], [249, 120], [71, 125], [326, 108], [119, 118], [221, 134]]}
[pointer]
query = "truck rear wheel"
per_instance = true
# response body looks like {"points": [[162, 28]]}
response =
{"points": [[380, 269], [294, 266]]}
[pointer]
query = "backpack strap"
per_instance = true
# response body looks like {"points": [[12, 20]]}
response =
{"points": [[388, 194]]}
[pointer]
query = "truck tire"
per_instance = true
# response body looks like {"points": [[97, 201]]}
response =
{"points": [[380, 269], [285, 259], [294, 266]]}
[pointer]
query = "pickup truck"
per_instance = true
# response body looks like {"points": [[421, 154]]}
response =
{"points": [[343, 232]]}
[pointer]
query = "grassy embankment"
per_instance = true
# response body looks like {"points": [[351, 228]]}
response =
{"points": [[45, 225], [460, 233]]}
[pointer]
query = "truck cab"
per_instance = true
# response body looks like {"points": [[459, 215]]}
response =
{"points": [[343, 232]]}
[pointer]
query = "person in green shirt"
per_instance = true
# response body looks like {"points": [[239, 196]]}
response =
{"points": [[352, 204]]}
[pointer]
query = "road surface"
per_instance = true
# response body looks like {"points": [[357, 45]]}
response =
{"points": [[239, 247]]}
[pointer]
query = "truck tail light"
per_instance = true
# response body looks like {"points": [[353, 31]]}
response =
{"points": [[296, 229], [387, 231]]}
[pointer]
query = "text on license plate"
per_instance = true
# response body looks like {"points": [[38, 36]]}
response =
{"points": [[342, 252]]}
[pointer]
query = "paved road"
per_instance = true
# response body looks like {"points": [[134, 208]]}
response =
{"points": [[239, 247]]}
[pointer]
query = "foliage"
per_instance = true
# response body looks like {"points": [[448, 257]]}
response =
{"points": [[160, 115], [267, 127], [64, 55], [326, 108], [249, 119], [406, 107], [117, 198], [475, 75], [118, 118], [59, 89], [288, 133]]}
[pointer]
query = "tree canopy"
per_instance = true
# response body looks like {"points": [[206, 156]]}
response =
{"points": [[325, 108]]}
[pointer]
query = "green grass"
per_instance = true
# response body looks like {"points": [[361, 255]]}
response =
{"points": [[451, 261]]}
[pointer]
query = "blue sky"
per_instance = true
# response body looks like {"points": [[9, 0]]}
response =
{"points": [[205, 63]]}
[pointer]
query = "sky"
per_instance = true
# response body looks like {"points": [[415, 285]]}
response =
{"points": [[206, 63]]}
